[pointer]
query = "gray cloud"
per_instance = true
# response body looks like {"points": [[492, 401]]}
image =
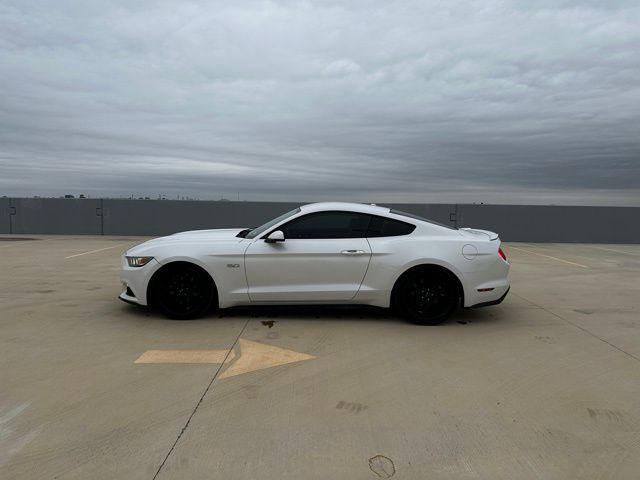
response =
{"points": [[498, 101]]}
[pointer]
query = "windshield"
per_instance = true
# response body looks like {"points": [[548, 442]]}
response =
{"points": [[260, 230], [418, 217]]}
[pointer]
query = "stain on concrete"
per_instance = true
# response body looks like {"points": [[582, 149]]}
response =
{"points": [[544, 339], [268, 323], [351, 407], [250, 391], [382, 466], [462, 322], [627, 324], [584, 312], [613, 416]]}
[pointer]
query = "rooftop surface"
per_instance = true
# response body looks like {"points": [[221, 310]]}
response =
{"points": [[545, 385]]}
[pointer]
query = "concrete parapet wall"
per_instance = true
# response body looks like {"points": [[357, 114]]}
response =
{"points": [[525, 223]]}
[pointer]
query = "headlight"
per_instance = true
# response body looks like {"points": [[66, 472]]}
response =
{"points": [[138, 261]]}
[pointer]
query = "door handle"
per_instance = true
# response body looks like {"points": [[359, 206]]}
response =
{"points": [[352, 252]]}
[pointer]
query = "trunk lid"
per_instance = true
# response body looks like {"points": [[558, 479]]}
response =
{"points": [[477, 234]]}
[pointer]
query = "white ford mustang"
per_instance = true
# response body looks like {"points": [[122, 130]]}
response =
{"points": [[323, 253]]}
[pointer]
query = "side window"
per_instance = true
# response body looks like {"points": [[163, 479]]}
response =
{"points": [[386, 227], [327, 225]]}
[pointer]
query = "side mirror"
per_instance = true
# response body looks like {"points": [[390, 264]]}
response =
{"points": [[274, 237]]}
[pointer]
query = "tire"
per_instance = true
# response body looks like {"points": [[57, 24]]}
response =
{"points": [[427, 296], [182, 291]]}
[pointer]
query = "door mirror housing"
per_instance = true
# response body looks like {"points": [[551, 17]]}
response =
{"points": [[274, 237]]}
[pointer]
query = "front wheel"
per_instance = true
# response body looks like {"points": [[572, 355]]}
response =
{"points": [[427, 296], [182, 291]]}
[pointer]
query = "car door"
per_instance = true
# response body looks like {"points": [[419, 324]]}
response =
{"points": [[324, 258]]}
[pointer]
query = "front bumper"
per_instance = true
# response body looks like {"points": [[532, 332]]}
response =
{"points": [[135, 280], [128, 299]]}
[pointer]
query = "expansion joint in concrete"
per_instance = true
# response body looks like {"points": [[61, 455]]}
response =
{"points": [[206, 390], [579, 327]]}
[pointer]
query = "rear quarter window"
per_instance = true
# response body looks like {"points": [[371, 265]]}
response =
{"points": [[387, 227], [422, 219]]}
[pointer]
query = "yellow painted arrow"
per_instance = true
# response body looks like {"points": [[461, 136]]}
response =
{"points": [[184, 356], [252, 356]]}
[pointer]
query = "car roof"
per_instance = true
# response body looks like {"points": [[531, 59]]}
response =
{"points": [[345, 206]]}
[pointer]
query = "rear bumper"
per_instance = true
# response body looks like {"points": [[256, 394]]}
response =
{"points": [[487, 283], [492, 302]]}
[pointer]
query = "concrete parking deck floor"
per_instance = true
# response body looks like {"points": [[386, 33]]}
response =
{"points": [[546, 385]]}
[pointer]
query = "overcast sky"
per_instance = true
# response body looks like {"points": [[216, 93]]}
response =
{"points": [[427, 101]]}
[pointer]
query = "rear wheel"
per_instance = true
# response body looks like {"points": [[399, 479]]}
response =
{"points": [[427, 296], [182, 291]]}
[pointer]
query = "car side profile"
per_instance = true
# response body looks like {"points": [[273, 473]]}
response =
{"points": [[322, 253]]}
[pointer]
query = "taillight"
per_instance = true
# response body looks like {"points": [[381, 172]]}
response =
{"points": [[502, 255]]}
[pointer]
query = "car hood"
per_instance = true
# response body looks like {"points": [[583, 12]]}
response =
{"points": [[190, 237], [221, 233]]}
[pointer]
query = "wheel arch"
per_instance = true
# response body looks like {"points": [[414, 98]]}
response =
{"points": [[172, 263], [433, 266]]}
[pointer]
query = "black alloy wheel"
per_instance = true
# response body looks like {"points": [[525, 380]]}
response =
{"points": [[183, 291], [427, 297]]}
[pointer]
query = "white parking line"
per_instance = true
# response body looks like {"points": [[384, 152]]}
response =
{"points": [[610, 250], [548, 256], [94, 251], [14, 243]]}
